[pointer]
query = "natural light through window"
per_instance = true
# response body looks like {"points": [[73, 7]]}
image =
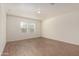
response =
{"points": [[28, 27]]}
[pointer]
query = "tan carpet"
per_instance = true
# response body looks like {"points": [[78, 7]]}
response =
{"points": [[40, 47]]}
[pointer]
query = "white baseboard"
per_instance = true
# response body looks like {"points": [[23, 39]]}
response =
{"points": [[74, 43]]}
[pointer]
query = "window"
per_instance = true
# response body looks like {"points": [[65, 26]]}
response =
{"points": [[31, 27], [23, 27], [28, 27]]}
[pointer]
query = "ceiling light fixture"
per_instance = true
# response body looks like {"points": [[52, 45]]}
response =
{"points": [[38, 11], [52, 3]]}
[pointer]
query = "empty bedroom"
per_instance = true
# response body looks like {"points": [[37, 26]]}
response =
{"points": [[39, 29]]}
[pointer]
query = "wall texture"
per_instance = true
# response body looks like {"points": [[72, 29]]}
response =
{"points": [[63, 28], [14, 32], [2, 28]]}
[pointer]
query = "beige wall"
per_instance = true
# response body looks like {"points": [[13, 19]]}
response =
{"points": [[63, 28], [13, 28], [2, 28]]}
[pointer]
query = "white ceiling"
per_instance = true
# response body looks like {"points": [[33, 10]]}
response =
{"points": [[47, 10]]}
